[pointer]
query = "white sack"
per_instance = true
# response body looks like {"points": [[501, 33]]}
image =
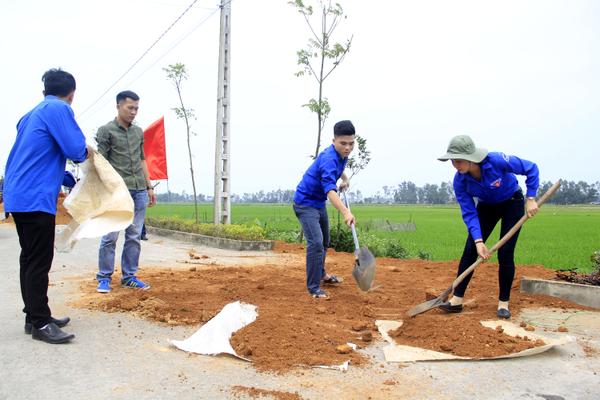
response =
{"points": [[99, 203]]}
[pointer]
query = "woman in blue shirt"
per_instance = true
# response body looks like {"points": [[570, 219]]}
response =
{"points": [[487, 191]]}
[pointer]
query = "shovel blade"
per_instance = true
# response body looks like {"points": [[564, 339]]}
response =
{"points": [[364, 269], [428, 305]]}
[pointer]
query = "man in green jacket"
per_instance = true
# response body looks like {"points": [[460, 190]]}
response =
{"points": [[122, 144]]}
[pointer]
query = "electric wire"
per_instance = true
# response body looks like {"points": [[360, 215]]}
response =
{"points": [[139, 59]]}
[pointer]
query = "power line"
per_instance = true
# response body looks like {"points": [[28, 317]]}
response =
{"points": [[177, 43], [139, 59]]}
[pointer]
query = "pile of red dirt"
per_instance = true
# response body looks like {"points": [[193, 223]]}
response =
{"points": [[62, 215], [293, 329], [460, 336]]}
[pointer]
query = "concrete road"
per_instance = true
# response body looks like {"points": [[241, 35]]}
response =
{"points": [[118, 356]]}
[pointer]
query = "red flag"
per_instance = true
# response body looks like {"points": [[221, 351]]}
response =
{"points": [[155, 150]]}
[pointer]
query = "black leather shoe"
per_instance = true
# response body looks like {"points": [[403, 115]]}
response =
{"points": [[51, 334], [60, 322], [449, 308], [503, 313]]}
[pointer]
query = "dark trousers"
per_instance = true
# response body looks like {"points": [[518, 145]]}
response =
{"points": [[509, 212], [315, 224], [36, 237]]}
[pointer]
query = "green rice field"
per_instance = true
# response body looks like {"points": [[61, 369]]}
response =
{"points": [[559, 237]]}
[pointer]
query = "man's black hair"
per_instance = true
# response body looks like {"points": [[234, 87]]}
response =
{"points": [[127, 94], [58, 83], [343, 128]]}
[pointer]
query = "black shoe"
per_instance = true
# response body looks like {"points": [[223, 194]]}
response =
{"points": [[449, 308], [503, 313], [52, 334], [144, 237], [60, 322]]}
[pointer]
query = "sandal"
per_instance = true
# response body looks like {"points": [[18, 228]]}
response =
{"points": [[319, 294], [332, 280]]}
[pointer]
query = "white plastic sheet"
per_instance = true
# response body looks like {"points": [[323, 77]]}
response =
{"points": [[213, 337]]}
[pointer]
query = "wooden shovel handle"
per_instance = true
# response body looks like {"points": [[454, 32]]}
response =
{"points": [[507, 236]]}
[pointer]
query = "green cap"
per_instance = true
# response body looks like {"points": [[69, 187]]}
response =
{"points": [[461, 147]]}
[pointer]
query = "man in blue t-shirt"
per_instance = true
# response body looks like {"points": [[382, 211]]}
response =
{"points": [[46, 137], [319, 184]]}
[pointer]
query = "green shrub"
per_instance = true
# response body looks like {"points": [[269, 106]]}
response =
{"points": [[238, 232], [377, 246], [595, 258], [341, 239], [396, 250], [424, 255], [289, 236], [272, 232]]}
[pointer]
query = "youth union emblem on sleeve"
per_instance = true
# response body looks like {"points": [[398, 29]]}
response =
{"points": [[496, 183]]}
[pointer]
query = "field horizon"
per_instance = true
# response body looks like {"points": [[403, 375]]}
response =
{"points": [[558, 237]]}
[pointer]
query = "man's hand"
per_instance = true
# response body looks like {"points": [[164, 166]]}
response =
{"points": [[151, 197], [90, 151], [531, 207], [349, 218], [482, 250], [345, 185], [334, 198]]}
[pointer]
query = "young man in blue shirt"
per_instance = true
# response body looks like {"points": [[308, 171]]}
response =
{"points": [[490, 178], [46, 137], [319, 184]]}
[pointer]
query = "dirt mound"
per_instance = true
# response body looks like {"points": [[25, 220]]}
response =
{"points": [[460, 336], [577, 277], [293, 329], [62, 215]]}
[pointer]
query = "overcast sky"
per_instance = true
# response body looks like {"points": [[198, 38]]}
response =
{"points": [[518, 76]]}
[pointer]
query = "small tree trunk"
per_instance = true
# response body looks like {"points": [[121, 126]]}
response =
{"points": [[187, 125], [321, 72], [192, 173]]}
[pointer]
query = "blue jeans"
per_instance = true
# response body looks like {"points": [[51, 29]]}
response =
{"points": [[315, 224], [131, 249]]}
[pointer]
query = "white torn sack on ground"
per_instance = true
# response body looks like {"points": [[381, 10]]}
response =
{"points": [[213, 337], [400, 353], [99, 203]]}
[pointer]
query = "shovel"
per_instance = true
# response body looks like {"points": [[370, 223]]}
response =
{"points": [[364, 266], [428, 305]]}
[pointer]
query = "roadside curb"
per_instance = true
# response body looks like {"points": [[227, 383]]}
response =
{"points": [[212, 241], [586, 295]]}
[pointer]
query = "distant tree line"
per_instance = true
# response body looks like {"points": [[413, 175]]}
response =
{"points": [[571, 192], [407, 192]]}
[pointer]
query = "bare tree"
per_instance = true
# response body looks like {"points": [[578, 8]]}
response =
{"points": [[177, 73], [321, 56]]}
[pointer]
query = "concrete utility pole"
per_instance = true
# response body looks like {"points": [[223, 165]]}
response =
{"points": [[222, 154]]}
